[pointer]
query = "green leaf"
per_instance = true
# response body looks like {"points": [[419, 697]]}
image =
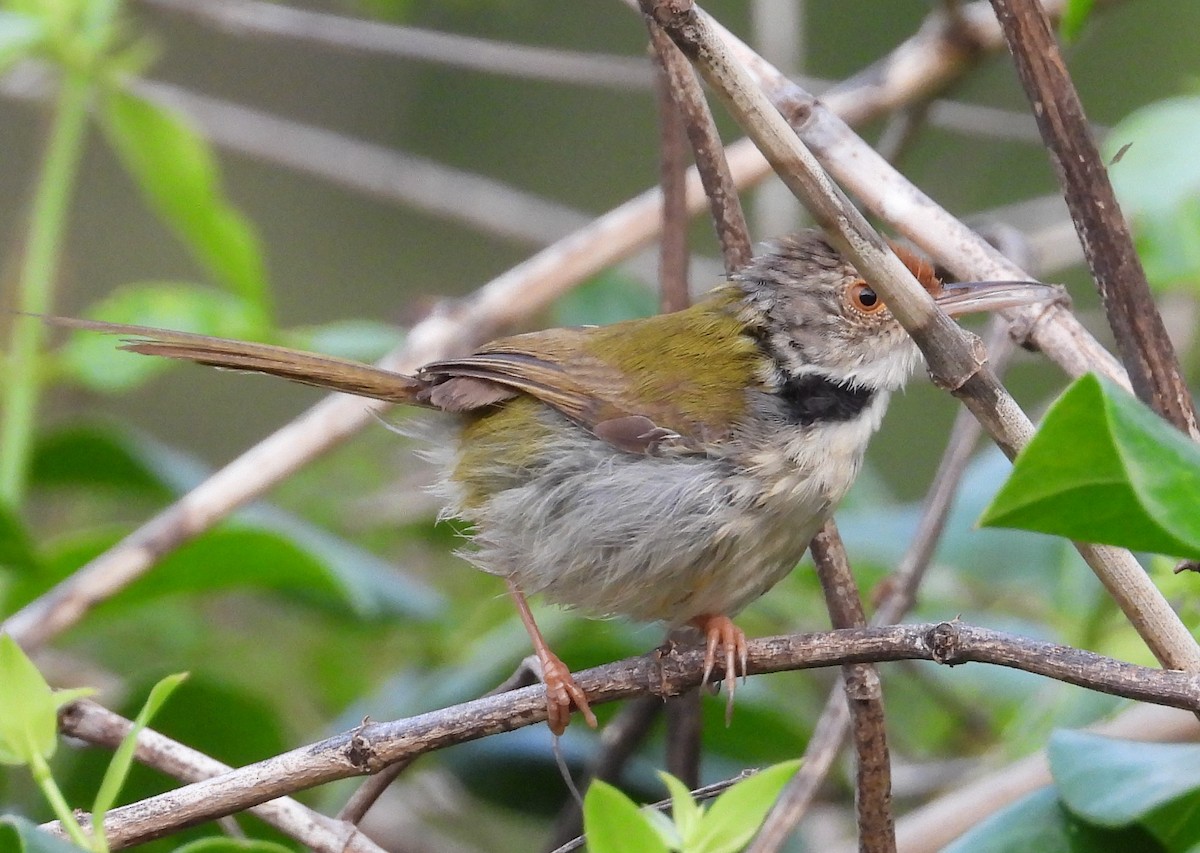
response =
{"points": [[684, 808], [735, 815], [289, 558], [16, 546], [20, 37], [97, 456], [232, 845], [614, 824], [1114, 782], [364, 340], [1104, 468], [122, 760], [95, 361], [608, 298], [28, 707], [1039, 822], [1074, 16], [1157, 179], [176, 170], [18, 835]]}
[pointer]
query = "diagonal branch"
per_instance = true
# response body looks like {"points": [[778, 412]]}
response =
{"points": [[1141, 337]]}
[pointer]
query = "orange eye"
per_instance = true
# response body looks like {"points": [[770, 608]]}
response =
{"points": [[864, 298]]}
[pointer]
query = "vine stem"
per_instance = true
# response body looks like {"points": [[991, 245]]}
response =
{"points": [[39, 269]]}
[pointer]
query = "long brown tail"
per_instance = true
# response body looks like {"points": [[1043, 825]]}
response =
{"points": [[323, 371]]}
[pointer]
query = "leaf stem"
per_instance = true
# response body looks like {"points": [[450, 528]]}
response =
{"points": [[66, 817], [38, 272]]}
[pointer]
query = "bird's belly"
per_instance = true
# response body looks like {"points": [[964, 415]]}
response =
{"points": [[644, 537]]}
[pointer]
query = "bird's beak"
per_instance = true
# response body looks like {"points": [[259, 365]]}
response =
{"points": [[973, 296]]}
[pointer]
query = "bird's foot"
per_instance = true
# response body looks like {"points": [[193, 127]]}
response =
{"points": [[720, 630], [561, 693]]}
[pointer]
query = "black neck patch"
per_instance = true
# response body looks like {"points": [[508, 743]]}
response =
{"points": [[813, 399]]}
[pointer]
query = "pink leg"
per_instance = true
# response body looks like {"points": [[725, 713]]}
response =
{"points": [[720, 630], [561, 689]]}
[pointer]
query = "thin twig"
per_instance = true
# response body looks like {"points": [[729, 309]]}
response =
{"points": [[95, 724], [834, 723], [1141, 337], [724, 205], [251, 18], [672, 172], [372, 746], [863, 695], [943, 344], [618, 740]]}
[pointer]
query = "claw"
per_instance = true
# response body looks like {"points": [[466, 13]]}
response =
{"points": [[561, 689], [721, 630]]}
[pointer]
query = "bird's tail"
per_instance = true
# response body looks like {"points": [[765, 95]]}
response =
{"points": [[323, 371]]}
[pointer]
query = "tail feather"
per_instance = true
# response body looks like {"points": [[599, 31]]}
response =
{"points": [[322, 371]]}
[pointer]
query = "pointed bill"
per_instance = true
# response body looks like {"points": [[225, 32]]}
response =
{"points": [[971, 297]]}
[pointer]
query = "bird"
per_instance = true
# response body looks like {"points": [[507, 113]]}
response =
{"points": [[666, 469]]}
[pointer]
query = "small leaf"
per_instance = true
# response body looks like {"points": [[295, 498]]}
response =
{"points": [[1104, 468], [1113, 782], [28, 707], [1158, 183], [614, 824], [232, 845], [95, 361], [177, 172], [1039, 822], [736, 815], [683, 807], [16, 546], [20, 37], [122, 760], [1074, 16], [608, 298], [18, 835], [363, 340]]}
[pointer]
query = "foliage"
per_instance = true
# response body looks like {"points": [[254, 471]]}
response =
{"points": [[28, 737], [1107, 795], [613, 823], [340, 599], [1104, 468]]}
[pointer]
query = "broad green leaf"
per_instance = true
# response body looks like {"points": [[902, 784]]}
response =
{"points": [[1157, 179], [1113, 782], [614, 824], [283, 557], [16, 546], [20, 36], [94, 455], [735, 815], [1103, 468], [684, 808], [1039, 822], [122, 760], [94, 359], [18, 835], [1074, 16], [177, 172], [28, 707], [364, 340], [608, 298]]}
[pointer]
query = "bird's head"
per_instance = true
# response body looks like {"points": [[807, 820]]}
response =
{"points": [[815, 315]]}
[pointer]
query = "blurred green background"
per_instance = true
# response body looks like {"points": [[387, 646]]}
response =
{"points": [[341, 598]]}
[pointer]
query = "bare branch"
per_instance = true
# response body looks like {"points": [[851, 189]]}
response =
{"points": [[373, 746], [1141, 336], [864, 697], [251, 18], [95, 724]]}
